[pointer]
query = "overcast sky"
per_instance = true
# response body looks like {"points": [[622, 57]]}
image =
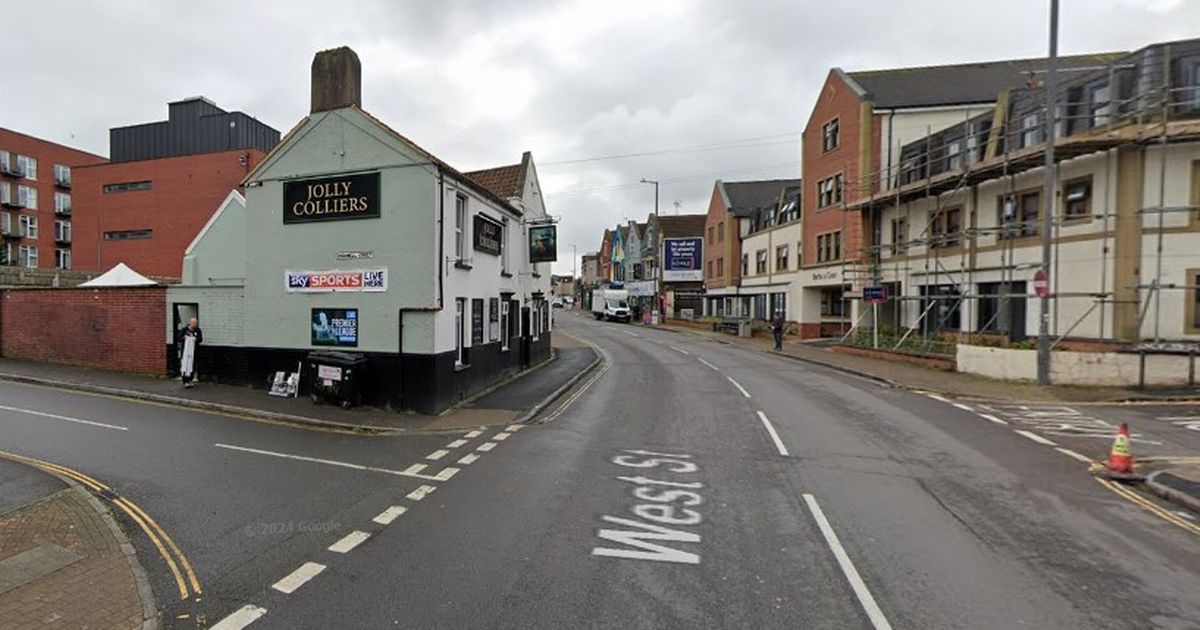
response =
{"points": [[478, 82]]}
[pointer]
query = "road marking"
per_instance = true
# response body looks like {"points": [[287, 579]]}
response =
{"points": [[1035, 437], [387, 516], [297, 578], [963, 407], [183, 561], [680, 350], [774, 436], [438, 454], [514, 427], [936, 397], [473, 434], [446, 474], [456, 443], [500, 437], [661, 510], [878, 620], [1072, 454], [349, 542], [708, 364], [330, 462], [468, 459], [1148, 505], [582, 388], [992, 418], [240, 618], [420, 493], [740, 388], [30, 412], [486, 446]]}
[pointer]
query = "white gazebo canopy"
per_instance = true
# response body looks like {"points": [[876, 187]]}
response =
{"points": [[120, 276]]}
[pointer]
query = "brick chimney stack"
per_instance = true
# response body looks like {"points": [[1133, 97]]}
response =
{"points": [[336, 80]]}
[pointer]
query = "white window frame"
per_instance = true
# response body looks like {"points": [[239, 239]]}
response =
{"points": [[62, 231], [27, 197], [535, 319], [62, 258], [504, 324], [460, 227], [460, 306], [1031, 128], [5, 192], [62, 173], [28, 166], [29, 225], [28, 256], [62, 200], [504, 264]]}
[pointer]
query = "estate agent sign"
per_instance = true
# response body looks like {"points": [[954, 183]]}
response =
{"points": [[331, 198], [682, 260]]}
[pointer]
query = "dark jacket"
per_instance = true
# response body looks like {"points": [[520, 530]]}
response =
{"points": [[187, 332], [777, 323]]}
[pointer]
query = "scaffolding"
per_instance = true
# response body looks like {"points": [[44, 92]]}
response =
{"points": [[1148, 99]]}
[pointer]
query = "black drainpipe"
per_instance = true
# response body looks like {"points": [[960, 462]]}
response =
{"points": [[441, 261]]}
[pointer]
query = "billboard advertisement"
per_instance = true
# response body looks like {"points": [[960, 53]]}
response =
{"points": [[335, 327], [543, 243], [683, 259], [335, 280]]}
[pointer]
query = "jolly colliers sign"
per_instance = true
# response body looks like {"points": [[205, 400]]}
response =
{"points": [[331, 198]]}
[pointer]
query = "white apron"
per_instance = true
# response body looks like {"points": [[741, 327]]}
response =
{"points": [[188, 361]]}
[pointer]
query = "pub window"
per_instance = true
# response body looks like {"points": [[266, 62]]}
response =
{"points": [[493, 320], [781, 258], [477, 315], [460, 223], [830, 136], [760, 261], [1077, 197]]}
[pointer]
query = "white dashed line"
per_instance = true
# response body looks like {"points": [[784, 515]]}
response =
{"points": [[438, 454], [456, 443], [446, 474], [936, 397], [486, 446], [680, 350], [709, 364], [473, 434], [740, 388], [349, 542], [514, 427], [774, 436], [500, 437], [420, 493], [1072, 454], [878, 620], [42, 414], [412, 471], [306, 572], [1035, 437], [963, 407], [240, 618], [991, 418], [387, 516], [468, 459]]}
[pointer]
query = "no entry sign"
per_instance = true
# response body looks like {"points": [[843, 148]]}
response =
{"points": [[1041, 283]]}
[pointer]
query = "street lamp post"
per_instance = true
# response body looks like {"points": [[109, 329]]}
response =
{"points": [[657, 254], [1043, 341], [575, 284]]}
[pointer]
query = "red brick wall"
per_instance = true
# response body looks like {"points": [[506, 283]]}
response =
{"points": [[728, 248], [120, 329], [184, 195], [837, 100], [47, 155]]}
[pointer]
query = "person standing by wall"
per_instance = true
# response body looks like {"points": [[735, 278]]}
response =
{"points": [[777, 325], [189, 339]]}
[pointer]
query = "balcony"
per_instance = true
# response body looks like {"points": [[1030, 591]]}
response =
{"points": [[63, 182], [12, 201], [11, 232], [63, 210], [63, 239], [11, 170]]}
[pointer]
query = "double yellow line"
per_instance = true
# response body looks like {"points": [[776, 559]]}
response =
{"points": [[162, 542], [1149, 505]]}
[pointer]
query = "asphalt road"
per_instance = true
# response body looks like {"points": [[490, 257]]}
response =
{"points": [[691, 484]]}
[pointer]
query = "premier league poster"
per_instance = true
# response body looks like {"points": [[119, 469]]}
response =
{"points": [[335, 327]]}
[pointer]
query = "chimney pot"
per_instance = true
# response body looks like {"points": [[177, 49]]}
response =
{"points": [[336, 80]]}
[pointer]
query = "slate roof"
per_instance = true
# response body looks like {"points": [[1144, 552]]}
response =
{"points": [[746, 197], [962, 84], [682, 225], [503, 181]]}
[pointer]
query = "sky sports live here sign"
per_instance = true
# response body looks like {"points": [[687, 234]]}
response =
{"points": [[337, 280], [682, 262], [331, 198]]}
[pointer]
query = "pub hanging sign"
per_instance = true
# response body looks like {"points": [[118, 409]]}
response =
{"points": [[331, 198], [487, 235]]}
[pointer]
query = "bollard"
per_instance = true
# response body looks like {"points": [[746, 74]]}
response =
{"points": [[1141, 369]]}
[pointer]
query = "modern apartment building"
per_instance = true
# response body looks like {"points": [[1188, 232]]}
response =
{"points": [[36, 200], [163, 182]]}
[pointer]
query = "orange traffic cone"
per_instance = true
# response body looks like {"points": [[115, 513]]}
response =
{"points": [[1120, 460]]}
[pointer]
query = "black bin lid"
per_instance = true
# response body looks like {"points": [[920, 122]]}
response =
{"points": [[334, 357]]}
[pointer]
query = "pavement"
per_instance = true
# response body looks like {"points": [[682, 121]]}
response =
{"points": [[512, 398], [64, 563], [682, 483]]}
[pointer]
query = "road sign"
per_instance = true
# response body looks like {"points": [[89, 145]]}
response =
{"points": [[875, 295], [1041, 283]]}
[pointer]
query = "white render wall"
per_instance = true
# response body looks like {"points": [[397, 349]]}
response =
{"points": [[1101, 369], [911, 125]]}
